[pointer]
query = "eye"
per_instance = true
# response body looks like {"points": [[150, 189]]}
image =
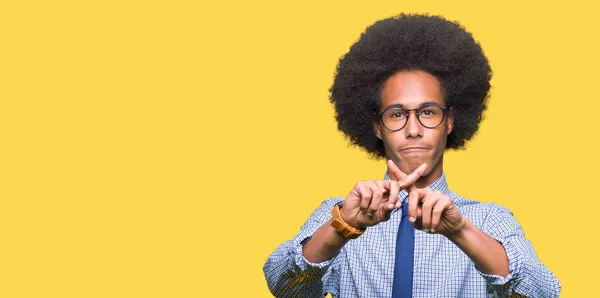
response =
{"points": [[395, 114], [429, 111]]}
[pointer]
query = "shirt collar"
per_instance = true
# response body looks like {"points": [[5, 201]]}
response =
{"points": [[439, 184]]}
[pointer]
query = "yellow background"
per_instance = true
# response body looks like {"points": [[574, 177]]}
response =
{"points": [[165, 148]]}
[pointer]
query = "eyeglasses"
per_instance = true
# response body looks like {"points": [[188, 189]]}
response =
{"points": [[430, 116]]}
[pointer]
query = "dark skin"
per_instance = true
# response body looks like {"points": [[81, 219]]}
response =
{"points": [[418, 151]]}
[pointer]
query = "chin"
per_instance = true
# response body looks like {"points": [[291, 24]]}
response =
{"points": [[408, 166]]}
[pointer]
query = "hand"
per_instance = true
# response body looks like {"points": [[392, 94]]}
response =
{"points": [[371, 202], [430, 210], [434, 212]]}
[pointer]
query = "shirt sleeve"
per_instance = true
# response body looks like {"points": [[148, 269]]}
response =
{"points": [[527, 276], [289, 274]]}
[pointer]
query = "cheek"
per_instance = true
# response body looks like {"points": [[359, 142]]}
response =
{"points": [[391, 142], [438, 139], [388, 141], [442, 136]]}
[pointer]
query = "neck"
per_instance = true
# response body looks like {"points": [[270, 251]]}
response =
{"points": [[427, 180]]}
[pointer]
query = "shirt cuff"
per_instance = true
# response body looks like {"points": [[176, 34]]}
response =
{"points": [[499, 283], [306, 270]]}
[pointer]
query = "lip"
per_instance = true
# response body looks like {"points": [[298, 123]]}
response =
{"points": [[414, 149]]}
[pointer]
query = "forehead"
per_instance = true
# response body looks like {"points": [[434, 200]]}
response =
{"points": [[411, 89]]}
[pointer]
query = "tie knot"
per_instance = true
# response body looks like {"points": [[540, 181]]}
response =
{"points": [[404, 209]]}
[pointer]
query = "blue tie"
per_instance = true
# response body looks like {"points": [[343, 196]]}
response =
{"points": [[405, 246]]}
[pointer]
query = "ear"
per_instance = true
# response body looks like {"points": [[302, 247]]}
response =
{"points": [[377, 128], [450, 120]]}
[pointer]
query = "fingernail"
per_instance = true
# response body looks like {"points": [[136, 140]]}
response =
{"points": [[391, 206], [412, 219], [426, 230], [433, 230]]}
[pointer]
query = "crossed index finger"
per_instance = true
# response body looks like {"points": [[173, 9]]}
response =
{"points": [[405, 181]]}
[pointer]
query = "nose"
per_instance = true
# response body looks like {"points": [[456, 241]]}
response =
{"points": [[413, 128]]}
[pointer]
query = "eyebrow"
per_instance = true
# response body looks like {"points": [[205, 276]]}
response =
{"points": [[399, 105]]}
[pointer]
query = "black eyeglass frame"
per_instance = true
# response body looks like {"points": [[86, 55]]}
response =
{"points": [[444, 112]]}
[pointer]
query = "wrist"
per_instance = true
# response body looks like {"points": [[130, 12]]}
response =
{"points": [[341, 226], [461, 231], [351, 221]]}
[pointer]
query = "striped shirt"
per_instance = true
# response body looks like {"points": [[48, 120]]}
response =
{"points": [[365, 266]]}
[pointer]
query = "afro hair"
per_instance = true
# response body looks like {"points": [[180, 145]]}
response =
{"points": [[404, 43]]}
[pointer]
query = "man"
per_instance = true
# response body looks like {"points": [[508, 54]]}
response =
{"points": [[411, 87]]}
